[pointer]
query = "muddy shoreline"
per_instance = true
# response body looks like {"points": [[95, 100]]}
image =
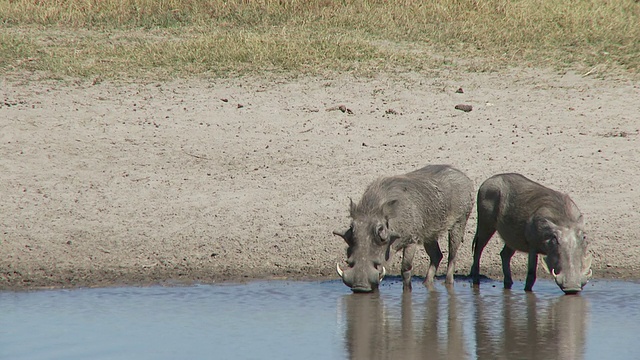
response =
{"points": [[74, 280], [237, 179]]}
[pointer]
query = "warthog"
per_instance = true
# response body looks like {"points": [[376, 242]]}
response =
{"points": [[404, 211], [535, 219]]}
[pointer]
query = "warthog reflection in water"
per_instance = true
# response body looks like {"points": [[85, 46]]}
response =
{"points": [[514, 328], [506, 326], [374, 333]]}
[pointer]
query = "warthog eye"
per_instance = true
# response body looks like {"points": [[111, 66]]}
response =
{"points": [[381, 233]]}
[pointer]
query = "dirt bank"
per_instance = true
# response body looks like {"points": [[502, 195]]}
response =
{"points": [[213, 180]]}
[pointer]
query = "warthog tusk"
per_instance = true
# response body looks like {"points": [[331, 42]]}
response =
{"points": [[339, 270], [553, 272], [589, 274], [384, 272]]}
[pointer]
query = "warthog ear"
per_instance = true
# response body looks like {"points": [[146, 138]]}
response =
{"points": [[352, 208], [347, 235], [389, 209], [539, 228], [542, 224]]}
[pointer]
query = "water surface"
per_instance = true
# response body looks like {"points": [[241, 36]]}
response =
{"points": [[322, 320]]}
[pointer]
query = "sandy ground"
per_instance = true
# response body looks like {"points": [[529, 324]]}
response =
{"points": [[224, 180]]}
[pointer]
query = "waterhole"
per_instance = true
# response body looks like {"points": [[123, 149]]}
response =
{"points": [[323, 320]]}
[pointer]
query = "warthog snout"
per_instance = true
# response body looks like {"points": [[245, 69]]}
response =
{"points": [[362, 278], [571, 287], [571, 282]]}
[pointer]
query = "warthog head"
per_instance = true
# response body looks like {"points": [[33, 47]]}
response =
{"points": [[369, 239], [567, 257]]}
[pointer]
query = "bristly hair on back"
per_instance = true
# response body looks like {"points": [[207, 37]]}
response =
{"points": [[377, 194], [560, 208], [371, 201]]}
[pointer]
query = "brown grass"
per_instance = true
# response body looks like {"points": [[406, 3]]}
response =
{"points": [[116, 38]]}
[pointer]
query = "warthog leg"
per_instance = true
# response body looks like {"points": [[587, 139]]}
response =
{"points": [[435, 254], [531, 271], [484, 232], [408, 253], [456, 236], [506, 254]]}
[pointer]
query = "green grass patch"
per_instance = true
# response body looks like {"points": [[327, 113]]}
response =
{"points": [[189, 37]]}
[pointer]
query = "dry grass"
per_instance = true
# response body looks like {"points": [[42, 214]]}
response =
{"points": [[125, 38]]}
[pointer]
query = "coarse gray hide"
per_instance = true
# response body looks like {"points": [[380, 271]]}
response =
{"points": [[399, 213], [532, 218]]}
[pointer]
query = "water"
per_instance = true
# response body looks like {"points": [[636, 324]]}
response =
{"points": [[322, 320]]}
